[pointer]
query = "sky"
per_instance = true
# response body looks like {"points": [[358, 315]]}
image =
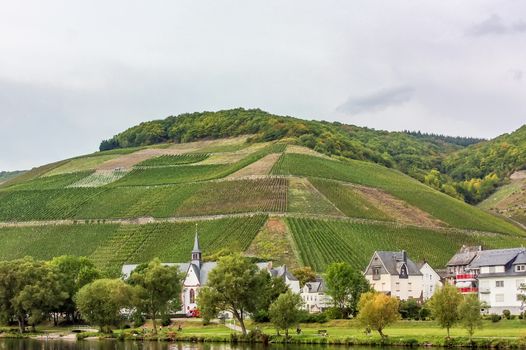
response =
{"points": [[73, 73]]}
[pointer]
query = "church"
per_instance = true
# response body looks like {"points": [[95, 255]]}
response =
{"points": [[196, 276]]}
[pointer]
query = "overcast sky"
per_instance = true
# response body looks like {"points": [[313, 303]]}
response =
{"points": [[75, 72]]}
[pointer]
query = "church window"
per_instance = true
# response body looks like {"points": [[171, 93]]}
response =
{"points": [[192, 296]]}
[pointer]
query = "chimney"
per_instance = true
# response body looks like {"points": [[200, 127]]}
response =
{"points": [[404, 256]]}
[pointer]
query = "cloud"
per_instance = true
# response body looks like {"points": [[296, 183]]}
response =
{"points": [[376, 101], [494, 24]]}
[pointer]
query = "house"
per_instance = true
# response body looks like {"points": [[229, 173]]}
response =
{"points": [[395, 274], [315, 297], [196, 276], [500, 273], [431, 280], [457, 268], [290, 280]]}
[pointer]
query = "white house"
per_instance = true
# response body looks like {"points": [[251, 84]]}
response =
{"points": [[500, 273], [431, 280], [395, 274], [315, 297]]}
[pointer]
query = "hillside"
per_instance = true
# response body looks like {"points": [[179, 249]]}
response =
{"points": [[465, 168], [274, 200], [6, 175], [510, 200]]}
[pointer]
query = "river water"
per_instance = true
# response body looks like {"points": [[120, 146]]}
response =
{"points": [[31, 344]]}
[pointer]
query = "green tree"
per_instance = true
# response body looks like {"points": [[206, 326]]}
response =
{"points": [[469, 311], [377, 311], [233, 285], [271, 289], [158, 289], [285, 311], [345, 285], [444, 306], [75, 272], [29, 290], [100, 302], [304, 274]]}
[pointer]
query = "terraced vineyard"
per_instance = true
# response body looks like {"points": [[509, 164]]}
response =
{"points": [[321, 242], [439, 205], [334, 209], [168, 160], [173, 241]]}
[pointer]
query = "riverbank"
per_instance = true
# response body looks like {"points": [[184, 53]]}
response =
{"points": [[503, 334]]}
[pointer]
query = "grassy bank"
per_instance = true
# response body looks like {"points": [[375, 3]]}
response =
{"points": [[504, 334]]}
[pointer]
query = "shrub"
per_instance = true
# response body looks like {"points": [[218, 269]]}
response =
{"points": [[306, 317], [506, 314], [166, 320], [495, 318]]}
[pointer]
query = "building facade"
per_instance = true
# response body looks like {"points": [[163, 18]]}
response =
{"points": [[395, 274]]}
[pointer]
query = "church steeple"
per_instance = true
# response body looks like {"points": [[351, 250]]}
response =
{"points": [[196, 252]]}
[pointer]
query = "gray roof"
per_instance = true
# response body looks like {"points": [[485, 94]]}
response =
{"points": [[128, 269], [283, 271], [521, 259], [316, 286], [465, 256], [495, 257], [197, 248], [393, 261]]}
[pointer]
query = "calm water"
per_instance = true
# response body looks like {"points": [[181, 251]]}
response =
{"points": [[30, 344]]}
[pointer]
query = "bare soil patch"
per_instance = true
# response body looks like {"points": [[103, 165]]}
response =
{"points": [[274, 243], [396, 208], [260, 167], [518, 175]]}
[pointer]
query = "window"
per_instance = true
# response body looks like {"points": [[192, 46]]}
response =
{"points": [[410, 286], [520, 268], [192, 296], [499, 298], [403, 271], [397, 285], [491, 269], [499, 284], [376, 273]]}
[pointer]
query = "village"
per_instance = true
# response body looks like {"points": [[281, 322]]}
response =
{"points": [[496, 276]]}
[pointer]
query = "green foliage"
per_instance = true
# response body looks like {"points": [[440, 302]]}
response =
{"points": [[171, 175], [469, 313], [444, 305], [345, 285], [410, 309], [321, 242], [100, 302], [6, 175], [75, 272], [304, 198], [158, 289], [377, 311], [233, 285], [304, 274], [285, 311], [169, 160], [29, 290]]}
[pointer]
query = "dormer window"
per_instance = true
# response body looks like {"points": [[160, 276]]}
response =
{"points": [[520, 268], [403, 271]]}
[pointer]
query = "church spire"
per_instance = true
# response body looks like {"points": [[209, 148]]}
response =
{"points": [[196, 252]]}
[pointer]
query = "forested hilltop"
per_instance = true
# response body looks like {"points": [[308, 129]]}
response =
{"points": [[471, 173]]}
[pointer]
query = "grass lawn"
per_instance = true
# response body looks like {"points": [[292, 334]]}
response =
{"points": [[416, 329]]}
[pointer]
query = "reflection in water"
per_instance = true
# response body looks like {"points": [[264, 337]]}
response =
{"points": [[31, 344]]}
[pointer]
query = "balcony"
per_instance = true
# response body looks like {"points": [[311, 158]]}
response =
{"points": [[466, 277], [484, 290], [468, 290]]}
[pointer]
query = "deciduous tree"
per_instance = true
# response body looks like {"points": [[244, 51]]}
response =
{"points": [[469, 312], [444, 306], [158, 289], [233, 285], [345, 285], [285, 311], [377, 311]]}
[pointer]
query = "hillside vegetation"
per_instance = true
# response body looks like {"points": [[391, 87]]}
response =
{"points": [[137, 203], [465, 168]]}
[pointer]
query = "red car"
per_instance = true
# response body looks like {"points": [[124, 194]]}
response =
{"points": [[193, 313]]}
